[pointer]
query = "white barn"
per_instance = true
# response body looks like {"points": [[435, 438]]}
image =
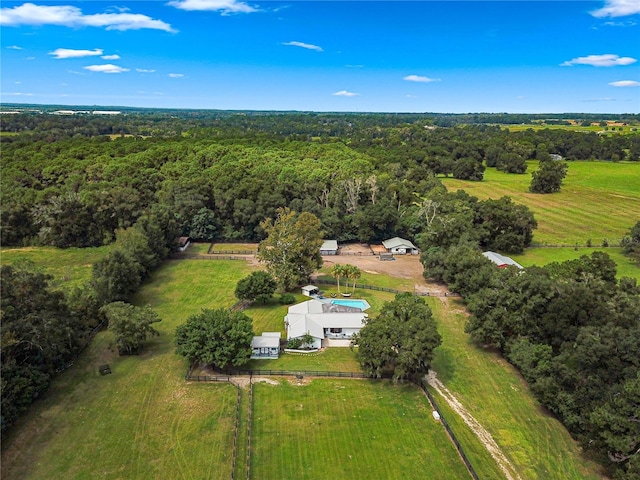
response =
{"points": [[329, 247], [501, 261], [400, 246]]}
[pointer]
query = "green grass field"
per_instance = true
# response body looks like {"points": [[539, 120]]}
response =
{"points": [[356, 429], [142, 421], [543, 256], [495, 394], [69, 267], [626, 129], [598, 200]]}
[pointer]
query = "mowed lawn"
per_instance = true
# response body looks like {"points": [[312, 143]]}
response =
{"points": [[598, 201], [496, 395], [142, 421], [355, 429]]}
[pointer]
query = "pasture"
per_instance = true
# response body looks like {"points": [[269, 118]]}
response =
{"points": [[544, 256], [357, 429], [608, 130], [496, 395], [143, 420], [69, 267], [148, 423], [598, 201]]}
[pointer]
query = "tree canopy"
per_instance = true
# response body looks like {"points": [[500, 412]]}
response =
{"points": [[131, 325], [216, 337], [256, 286], [401, 339], [291, 249], [549, 176]]}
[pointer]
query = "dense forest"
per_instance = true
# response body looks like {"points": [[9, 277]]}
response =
{"points": [[139, 180]]}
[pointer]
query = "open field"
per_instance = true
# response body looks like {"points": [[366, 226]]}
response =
{"points": [[494, 393], [626, 129], [142, 421], [329, 428], [150, 424], [598, 200], [234, 247], [543, 256], [69, 267]]}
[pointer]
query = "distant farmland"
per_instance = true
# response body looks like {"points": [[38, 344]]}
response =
{"points": [[598, 201]]}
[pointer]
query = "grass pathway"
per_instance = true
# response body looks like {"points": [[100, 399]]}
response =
{"points": [[485, 437]]}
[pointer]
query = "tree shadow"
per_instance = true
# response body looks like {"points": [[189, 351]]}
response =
{"points": [[444, 363]]}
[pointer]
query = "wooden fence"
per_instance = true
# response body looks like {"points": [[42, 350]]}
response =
{"points": [[452, 435], [92, 334], [324, 281], [226, 377]]}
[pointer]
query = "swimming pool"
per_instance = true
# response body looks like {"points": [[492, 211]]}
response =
{"points": [[361, 304]]}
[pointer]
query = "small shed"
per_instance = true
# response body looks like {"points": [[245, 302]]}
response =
{"points": [[310, 290], [400, 246], [501, 261], [183, 243], [266, 346], [329, 247]]}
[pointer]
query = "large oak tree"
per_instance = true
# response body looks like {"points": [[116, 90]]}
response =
{"points": [[401, 339], [291, 250]]}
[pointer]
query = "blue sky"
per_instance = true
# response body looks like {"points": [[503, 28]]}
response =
{"points": [[364, 56]]}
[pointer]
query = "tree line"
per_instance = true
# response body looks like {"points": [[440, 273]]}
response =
{"points": [[573, 331]]}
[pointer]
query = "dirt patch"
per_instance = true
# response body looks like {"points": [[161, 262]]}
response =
{"points": [[354, 249], [485, 437], [404, 266]]}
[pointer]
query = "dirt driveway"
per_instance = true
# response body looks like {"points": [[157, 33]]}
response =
{"points": [[404, 266]]}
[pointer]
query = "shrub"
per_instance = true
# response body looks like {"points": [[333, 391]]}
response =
{"points": [[287, 298], [294, 343]]}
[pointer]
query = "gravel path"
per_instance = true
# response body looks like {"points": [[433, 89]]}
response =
{"points": [[485, 437]]}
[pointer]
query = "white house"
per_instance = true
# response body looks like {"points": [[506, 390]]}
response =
{"points": [[400, 246], [329, 247], [266, 346], [501, 260], [324, 320]]}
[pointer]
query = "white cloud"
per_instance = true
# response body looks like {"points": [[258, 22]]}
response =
{"points": [[17, 94], [308, 46], [110, 57], [617, 8], [70, 16], [70, 53], [628, 23], [144, 70], [344, 93], [108, 68], [601, 99], [225, 7], [354, 66], [625, 83], [419, 78], [606, 60], [176, 75], [14, 47]]}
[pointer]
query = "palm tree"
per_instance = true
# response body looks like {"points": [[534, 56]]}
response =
{"points": [[352, 273], [338, 271]]}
